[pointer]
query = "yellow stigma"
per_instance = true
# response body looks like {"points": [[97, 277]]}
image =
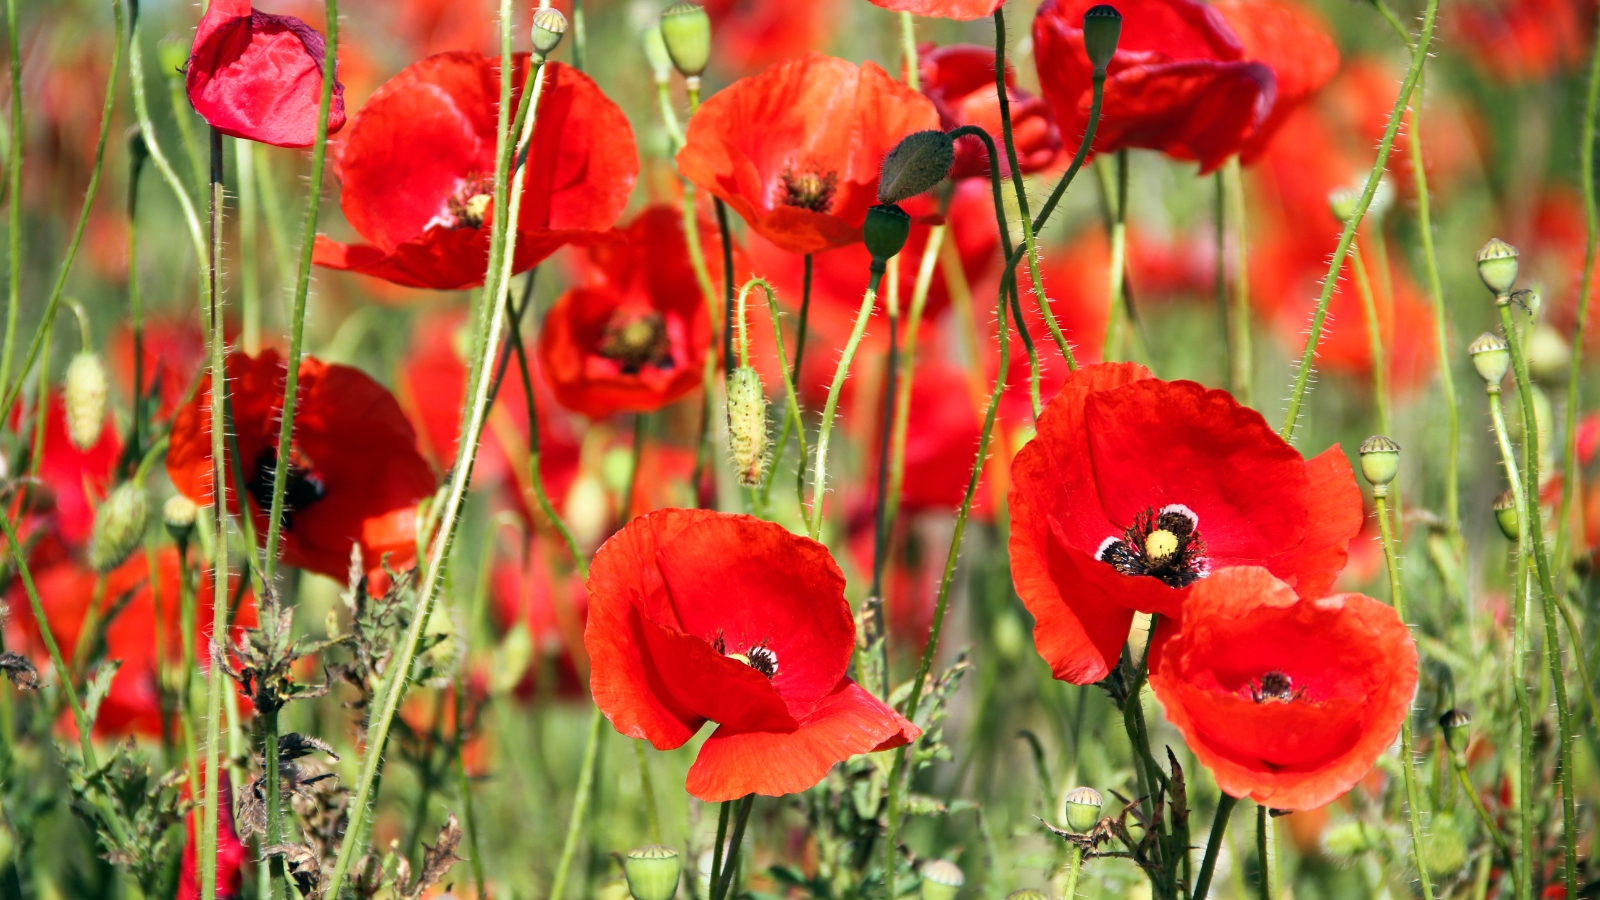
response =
{"points": [[477, 208], [739, 657], [1160, 544]]}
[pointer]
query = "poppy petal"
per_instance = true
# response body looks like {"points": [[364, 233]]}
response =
{"points": [[1334, 516], [687, 674]]}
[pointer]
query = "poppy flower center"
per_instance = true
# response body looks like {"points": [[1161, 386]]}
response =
{"points": [[301, 486], [1163, 544], [469, 205], [635, 340], [1275, 685], [759, 656], [807, 189]]}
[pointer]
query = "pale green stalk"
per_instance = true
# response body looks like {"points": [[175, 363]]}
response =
{"points": [[580, 805], [1117, 192], [249, 274], [13, 195], [216, 681], [191, 216], [1240, 364], [820, 477], [902, 402], [1369, 312]]}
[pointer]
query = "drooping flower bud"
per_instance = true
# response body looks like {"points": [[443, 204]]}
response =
{"points": [[921, 160], [1380, 459], [652, 872], [1083, 809], [179, 514], [1454, 723], [1497, 266], [1102, 26], [747, 425], [1491, 356], [85, 399], [118, 526], [1507, 516], [549, 27], [941, 880], [686, 30], [885, 233], [655, 53]]}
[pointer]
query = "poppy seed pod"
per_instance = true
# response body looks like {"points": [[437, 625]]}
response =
{"points": [[747, 425], [652, 872], [85, 397], [1102, 26], [885, 233], [941, 880], [1380, 460], [1491, 356], [1454, 723], [549, 27], [1083, 809], [1027, 894], [118, 526], [655, 53], [1497, 266], [921, 160], [1507, 516], [179, 514], [686, 30]]}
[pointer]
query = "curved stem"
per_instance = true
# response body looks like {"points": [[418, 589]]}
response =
{"points": [[791, 400], [820, 474], [1396, 115], [535, 475], [730, 862]]}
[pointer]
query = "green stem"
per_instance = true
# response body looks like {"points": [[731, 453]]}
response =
{"points": [[269, 771], [820, 477], [908, 50], [1369, 311], [1118, 268], [1074, 864], [191, 215], [1219, 827], [80, 716], [249, 275], [580, 42], [1396, 115], [731, 862], [215, 679], [580, 806], [647, 788], [1264, 851], [908, 366], [14, 196], [1460, 765], [633, 467], [1533, 527], [791, 398], [722, 841], [1240, 364], [1391, 554]]}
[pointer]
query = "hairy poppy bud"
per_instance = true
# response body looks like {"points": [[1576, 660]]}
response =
{"points": [[1454, 723], [1102, 26], [118, 526], [85, 399], [747, 424], [1549, 354], [1444, 851], [1507, 516], [1347, 840], [941, 879], [178, 514], [921, 160], [549, 27], [655, 53], [1497, 266], [1343, 203], [652, 872], [1083, 809], [686, 30], [885, 233], [1491, 356], [1380, 459]]}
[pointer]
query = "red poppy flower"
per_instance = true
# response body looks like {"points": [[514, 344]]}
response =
{"points": [[944, 9], [418, 164], [796, 149], [700, 616], [231, 852], [1296, 43], [1521, 41], [1137, 489], [1287, 700], [140, 630], [959, 79], [635, 337], [1182, 80], [174, 349], [77, 479], [355, 476], [258, 77], [753, 35]]}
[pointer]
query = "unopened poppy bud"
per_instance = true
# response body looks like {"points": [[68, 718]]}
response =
{"points": [[1507, 516], [179, 514], [118, 526], [85, 399], [1343, 203], [1102, 26], [885, 233], [686, 30], [655, 53], [549, 27], [1083, 809], [1380, 459], [941, 880], [1549, 354], [747, 424], [1454, 723], [652, 872], [1347, 840], [1491, 356], [1444, 851], [1497, 266], [921, 160]]}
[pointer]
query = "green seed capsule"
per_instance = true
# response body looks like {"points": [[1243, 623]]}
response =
{"points": [[549, 27], [1497, 266], [652, 872], [1083, 809], [178, 514], [1380, 459], [1102, 27], [1491, 356], [1507, 516], [941, 880], [686, 30], [885, 233]]}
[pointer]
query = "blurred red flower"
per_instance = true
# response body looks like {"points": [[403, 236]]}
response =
{"points": [[174, 349], [944, 9], [256, 76], [700, 616], [753, 34], [1137, 489], [1183, 81], [1521, 41], [1287, 700], [355, 476], [417, 172], [529, 592], [796, 149], [231, 852], [146, 631], [959, 79], [635, 336], [77, 480]]}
